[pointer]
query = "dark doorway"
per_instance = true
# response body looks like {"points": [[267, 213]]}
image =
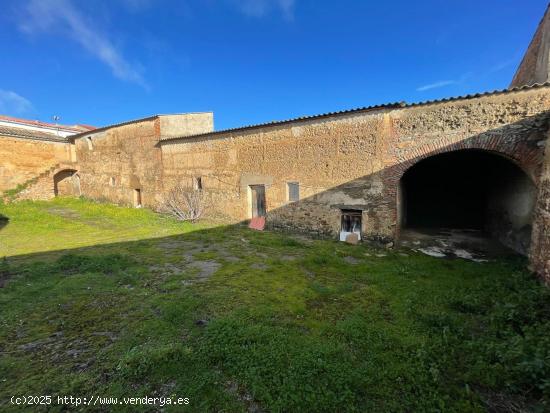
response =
{"points": [[66, 183], [470, 189], [137, 198], [258, 201]]}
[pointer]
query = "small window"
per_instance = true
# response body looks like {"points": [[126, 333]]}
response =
{"points": [[112, 181], [351, 223], [197, 183], [293, 191], [90, 143]]}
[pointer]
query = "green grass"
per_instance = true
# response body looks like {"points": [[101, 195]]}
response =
{"points": [[103, 300]]}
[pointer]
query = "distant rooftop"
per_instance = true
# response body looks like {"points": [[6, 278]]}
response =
{"points": [[40, 124], [21, 133]]}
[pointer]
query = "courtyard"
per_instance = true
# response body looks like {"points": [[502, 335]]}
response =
{"points": [[116, 302]]}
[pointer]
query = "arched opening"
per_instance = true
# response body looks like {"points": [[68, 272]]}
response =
{"points": [[471, 190], [66, 183]]}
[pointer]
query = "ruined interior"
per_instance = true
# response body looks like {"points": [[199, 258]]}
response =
{"points": [[66, 183], [470, 190]]}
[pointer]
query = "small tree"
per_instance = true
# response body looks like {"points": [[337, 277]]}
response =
{"points": [[185, 204]]}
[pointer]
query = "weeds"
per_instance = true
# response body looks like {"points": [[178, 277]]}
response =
{"points": [[99, 299]]}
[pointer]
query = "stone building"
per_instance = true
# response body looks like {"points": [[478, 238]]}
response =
{"points": [[474, 161], [123, 163], [31, 149], [362, 162]]}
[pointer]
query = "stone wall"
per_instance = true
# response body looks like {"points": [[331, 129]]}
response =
{"points": [[186, 123], [60, 180], [115, 163], [25, 159], [540, 251], [318, 155], [353, 161]]}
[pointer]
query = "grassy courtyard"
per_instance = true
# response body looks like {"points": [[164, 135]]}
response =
{"points": [[99, 300]]}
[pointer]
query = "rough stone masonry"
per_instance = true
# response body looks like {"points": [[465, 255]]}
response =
{"points": [[347, 172]]}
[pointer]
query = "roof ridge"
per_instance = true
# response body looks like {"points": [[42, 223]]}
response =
{"points": [[103, 128]]}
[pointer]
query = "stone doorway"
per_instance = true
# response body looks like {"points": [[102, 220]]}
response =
{"points": [[137, 198], [66, 183]]}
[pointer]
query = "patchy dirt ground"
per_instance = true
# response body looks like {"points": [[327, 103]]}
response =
{"points": [[98, 299]]}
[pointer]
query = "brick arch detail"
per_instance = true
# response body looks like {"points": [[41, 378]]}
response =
{"points": [[61, 168], [527, 157]]}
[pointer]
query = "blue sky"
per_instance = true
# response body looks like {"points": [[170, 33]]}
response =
{"points": [[105, 61]]}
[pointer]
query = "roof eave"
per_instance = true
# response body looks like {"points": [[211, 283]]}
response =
{"points": [[392, 106]]}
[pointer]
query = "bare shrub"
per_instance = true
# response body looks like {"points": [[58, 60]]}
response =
{"points": [[185, 204]]}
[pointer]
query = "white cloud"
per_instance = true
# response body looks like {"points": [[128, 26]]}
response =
{"points": [[260, 8], [435, 85], [13, 103], [63, 16]]}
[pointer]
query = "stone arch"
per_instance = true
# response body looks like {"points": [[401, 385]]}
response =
{"points": [[66, 183], [522, 153], [469, 188], [527, 157]]}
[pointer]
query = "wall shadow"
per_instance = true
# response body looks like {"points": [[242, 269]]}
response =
{"points": [[82, 316], [4, 221], [380, 197]]}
